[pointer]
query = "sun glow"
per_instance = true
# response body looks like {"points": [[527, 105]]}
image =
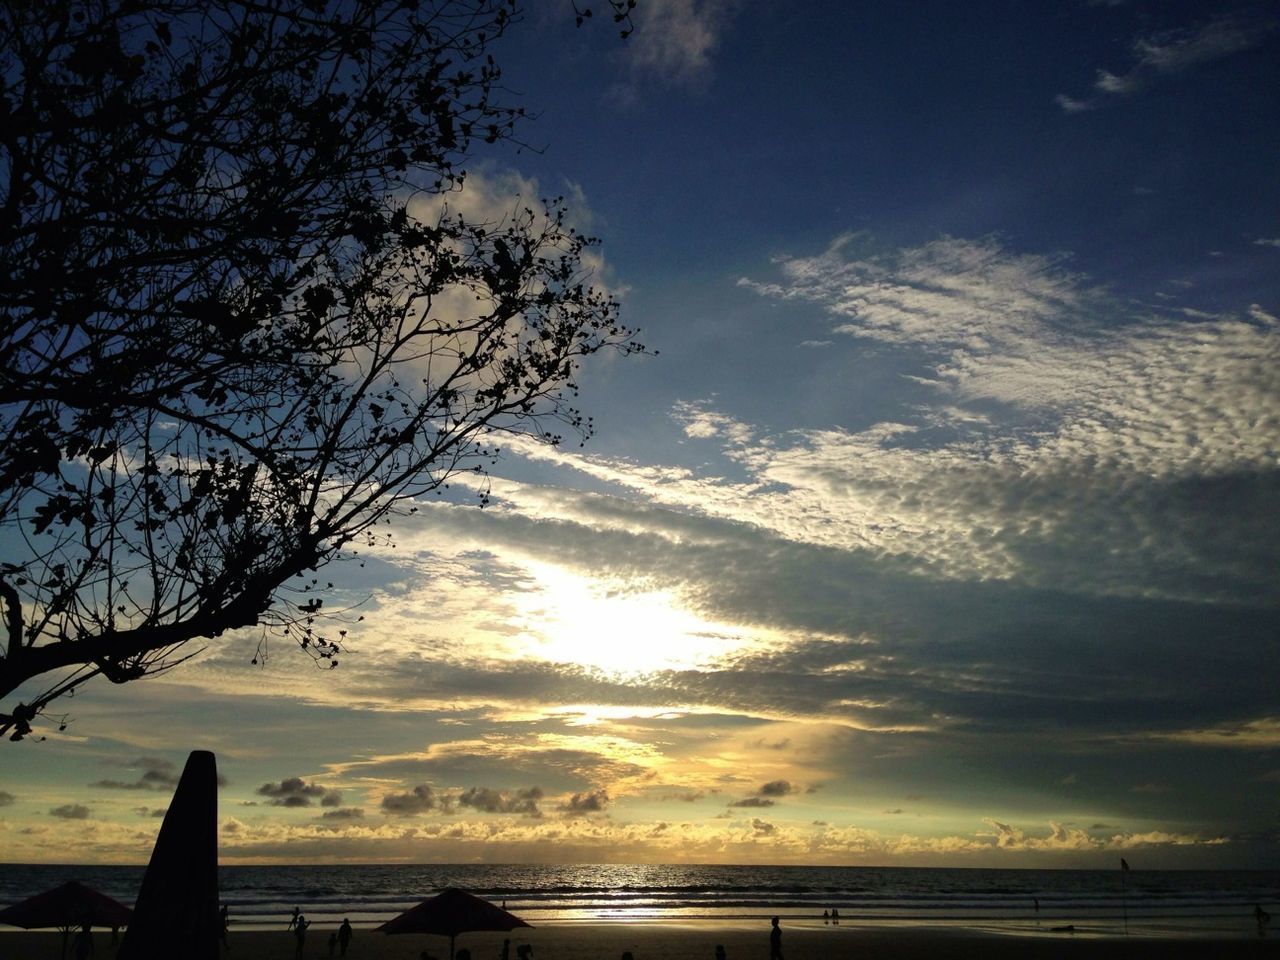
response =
{"points": [[613, 627]]}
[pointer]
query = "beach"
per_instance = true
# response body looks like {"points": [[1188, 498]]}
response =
{"points": [[671, 940]]}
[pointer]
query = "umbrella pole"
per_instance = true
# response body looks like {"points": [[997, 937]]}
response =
{"points": [[66, 933], [451, 936]]}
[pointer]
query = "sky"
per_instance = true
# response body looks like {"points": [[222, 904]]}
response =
{"points": [[941, 529]]}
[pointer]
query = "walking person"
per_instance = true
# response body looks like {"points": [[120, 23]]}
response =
{"points": [[344, 937], [775, 941], [300, 934]]}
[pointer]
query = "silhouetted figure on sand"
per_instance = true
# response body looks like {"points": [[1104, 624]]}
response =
{"points": [[826, 917], [300, 934], [506, 950], [626, 955], [524, 951], [224, 919], [720, 951], [344, 937], [775, 941], [294, 921], [835, 916], [1263, 918]]}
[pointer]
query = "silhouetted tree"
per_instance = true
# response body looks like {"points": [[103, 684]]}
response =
{"points": [[242, 324]]}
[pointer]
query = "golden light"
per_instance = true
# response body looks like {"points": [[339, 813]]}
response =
{"points": [[568, 618]]}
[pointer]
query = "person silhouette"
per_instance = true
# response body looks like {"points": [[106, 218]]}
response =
{"points": [[224, 919], [506, 950], [344, 937], [300, 934], [775, 941], [720, 951], [1263, 919], [826, 916], [293, 921], [835, 916]]}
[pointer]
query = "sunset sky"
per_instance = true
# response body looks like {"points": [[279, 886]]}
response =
{"points": [[943, 529]]}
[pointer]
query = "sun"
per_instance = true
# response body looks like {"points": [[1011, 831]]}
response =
{"points": [[618, 628]]}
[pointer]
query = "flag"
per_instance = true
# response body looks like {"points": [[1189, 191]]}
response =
{"points": [[1124, 864]]}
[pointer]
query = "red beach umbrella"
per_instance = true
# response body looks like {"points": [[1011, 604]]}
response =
{"points": [[68, 906], [450, 913]]}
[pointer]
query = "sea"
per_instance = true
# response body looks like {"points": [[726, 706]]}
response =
{"points": [[264, 897]]}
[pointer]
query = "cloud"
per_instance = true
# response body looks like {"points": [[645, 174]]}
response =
{"points": [[582, 804], [675, 40], [343, 813], [1072, 105], [1267, 242], [486, 800], [419, 800], [763, 828], [157, 774], [295, 792], [753, 802], [70, 811], [776, 788], [1081, 416], [1171, 52]]}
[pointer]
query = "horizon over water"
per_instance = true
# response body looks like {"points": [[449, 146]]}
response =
{"points": [[1099, 901]]}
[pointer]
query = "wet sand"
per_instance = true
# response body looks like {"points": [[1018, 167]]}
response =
{"points": [[672, 940]]}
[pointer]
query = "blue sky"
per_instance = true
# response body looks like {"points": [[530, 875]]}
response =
{"points": [[942, 529]]}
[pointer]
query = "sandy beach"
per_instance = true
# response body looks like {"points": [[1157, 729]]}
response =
{"points": [[697, 941]]}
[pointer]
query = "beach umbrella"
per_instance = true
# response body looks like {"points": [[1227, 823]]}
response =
{"points": [[68, 906], [450, 913]]}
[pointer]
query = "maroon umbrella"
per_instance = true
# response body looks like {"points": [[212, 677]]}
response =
{"points": [[450, 913], [68, 906]]}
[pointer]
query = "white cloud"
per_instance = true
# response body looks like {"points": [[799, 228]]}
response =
{"points": [[1175, 51], [1072, 105], [675, 40]]}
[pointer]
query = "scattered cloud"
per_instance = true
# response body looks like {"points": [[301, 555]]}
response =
{"points": [[582, 804], [1267, 242], [343, 813], [70, 811], [675, 40], [753, 802], [1170, 52], [776, 788], [418, 800], [1072, 105], [295, 792], [523, 802], [157, 774]]}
